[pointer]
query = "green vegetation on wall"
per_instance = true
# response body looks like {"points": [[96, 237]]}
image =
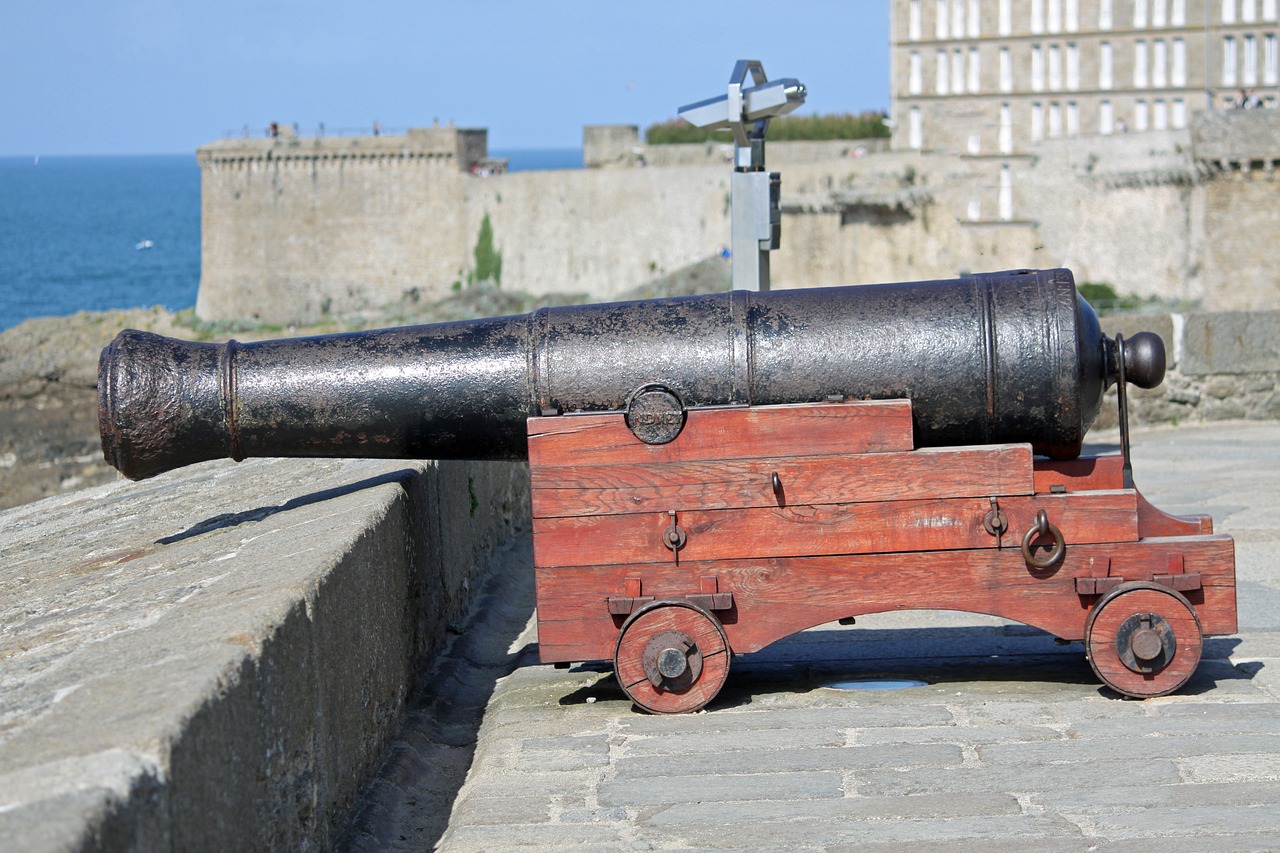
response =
{"points": [[868, 125], [488, 259]]}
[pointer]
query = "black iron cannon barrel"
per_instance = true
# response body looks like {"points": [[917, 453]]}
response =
{"points": [[1002, 357]]}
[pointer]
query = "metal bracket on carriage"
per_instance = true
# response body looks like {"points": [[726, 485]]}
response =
{"points": [[709, 598], [630, 601], [1177, 578]]}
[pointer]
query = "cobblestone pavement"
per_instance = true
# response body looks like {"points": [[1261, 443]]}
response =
{"points": [[1010, 745]]}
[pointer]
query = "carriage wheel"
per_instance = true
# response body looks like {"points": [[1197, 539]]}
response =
{"points": [[1143, 639], [672, 657]]}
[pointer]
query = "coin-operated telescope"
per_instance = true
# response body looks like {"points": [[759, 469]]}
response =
{"points": [[757, 215]]}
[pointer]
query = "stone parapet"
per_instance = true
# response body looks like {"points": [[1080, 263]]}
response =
{"points": [[1222, 366], [215, 659], [464, 147]]}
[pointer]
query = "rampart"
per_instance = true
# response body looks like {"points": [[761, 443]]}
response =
{"points": [[296, 229], [217, 658]]}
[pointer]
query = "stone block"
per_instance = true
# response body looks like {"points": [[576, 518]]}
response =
{"points": [[1231, 342], [217, 653]]}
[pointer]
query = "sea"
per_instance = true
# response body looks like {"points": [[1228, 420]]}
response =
{"points": [[97, 233]]}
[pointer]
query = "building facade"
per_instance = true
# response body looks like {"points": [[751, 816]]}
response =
{"points": [[995, 77]]}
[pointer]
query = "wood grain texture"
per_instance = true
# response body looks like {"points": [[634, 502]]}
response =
{"points": [[1100, 642], [774, 598], [811, 429], [703, 630], [616, 488], [862, 528]]}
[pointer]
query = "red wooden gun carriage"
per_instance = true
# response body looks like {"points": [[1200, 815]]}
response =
{"points": [[758, 522]]}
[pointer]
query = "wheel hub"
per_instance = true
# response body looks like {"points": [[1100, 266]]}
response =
{"points": [[1145, 643], [672, 660]]}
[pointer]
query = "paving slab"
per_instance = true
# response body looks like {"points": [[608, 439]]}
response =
{"points": [[1011, 744]]}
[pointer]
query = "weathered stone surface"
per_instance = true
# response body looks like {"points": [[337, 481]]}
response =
{"points": [[221, 652], [1232, 342]]}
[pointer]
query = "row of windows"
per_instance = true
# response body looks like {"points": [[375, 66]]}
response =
{"points": [[954, 19], [1055, 119], [1157, 64]]}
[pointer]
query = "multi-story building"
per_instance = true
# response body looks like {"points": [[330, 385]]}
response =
{"points": [[994, 77]]}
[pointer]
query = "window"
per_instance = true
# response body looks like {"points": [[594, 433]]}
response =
{"points": [[1140, 121], [1104, 14], [1248, 11], [1268, 10], [957, 72], [1178, 74], [1159, 63], [1250, 75], [1037, 16], [1140, 64], [1106, 118], [1228, 61], [1157, 13], [975, 75], [1160, 114], [915, 80], [1006, 17], [1006, 70], [974, 20], [1037, 68], [975, 209], [1269, 60], [1228, 11], [1104, 66], [957, 19], [915, 138], [1006, 193], [1055, 119], [1054, 23], [913, 20], [1073, 118], [1055, 67], [1006, 129], [943, 76], [1073, 67], [1037, 122], [1179, 113], [1073, 15], [975, 143], [1139, 13], [1178, 13], [940, 29]]}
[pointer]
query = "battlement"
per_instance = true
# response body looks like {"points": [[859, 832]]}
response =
{"points": [[465, 148]]}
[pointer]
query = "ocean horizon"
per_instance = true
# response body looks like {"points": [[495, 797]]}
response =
{"points": [[104, 232]]}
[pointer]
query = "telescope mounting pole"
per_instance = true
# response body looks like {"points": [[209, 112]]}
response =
{"points": [[756, 214]]}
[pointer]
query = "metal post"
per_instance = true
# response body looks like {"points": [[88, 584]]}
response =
{"points": [[756, 211]]}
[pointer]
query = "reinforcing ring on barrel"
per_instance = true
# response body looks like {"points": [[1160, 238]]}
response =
{"points": [[1042, 527]]}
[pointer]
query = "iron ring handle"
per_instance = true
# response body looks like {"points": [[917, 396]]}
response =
{"points": [[1043, 527]]}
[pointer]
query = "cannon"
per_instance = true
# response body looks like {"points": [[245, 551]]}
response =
{"points": [[710, 474]]}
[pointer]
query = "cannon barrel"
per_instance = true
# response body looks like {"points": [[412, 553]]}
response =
{"points": [[1001, 357]]}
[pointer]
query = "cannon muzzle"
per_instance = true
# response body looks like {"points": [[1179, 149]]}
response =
{"points": [[1001, 357]]}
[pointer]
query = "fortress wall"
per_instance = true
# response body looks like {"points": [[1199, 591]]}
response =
{"points": [[600, 232], [286, 240], [291, 234], [1242, 240]]}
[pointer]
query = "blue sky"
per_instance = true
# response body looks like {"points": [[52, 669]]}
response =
{"points": [[164, 76]]}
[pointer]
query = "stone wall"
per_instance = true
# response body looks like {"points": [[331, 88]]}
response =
{"points": [[215, 659], [1222, 366], [297, 229]]}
